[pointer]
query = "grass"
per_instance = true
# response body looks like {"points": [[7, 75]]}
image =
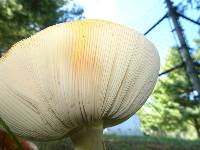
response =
{"points": [[149, 143], [114, 142]]}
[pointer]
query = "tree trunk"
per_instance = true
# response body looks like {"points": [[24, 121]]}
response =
{"points": [[197, 127], [184, 51]]}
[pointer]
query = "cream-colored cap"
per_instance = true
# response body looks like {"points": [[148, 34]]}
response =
{"points": [[75, 74]]}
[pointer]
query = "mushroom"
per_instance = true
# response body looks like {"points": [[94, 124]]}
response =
{"points": [[75, 79]]}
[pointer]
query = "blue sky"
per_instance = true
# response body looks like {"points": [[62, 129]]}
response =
{"points": [[141, 15]]}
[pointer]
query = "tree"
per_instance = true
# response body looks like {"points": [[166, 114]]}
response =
{"points": [[21, 18], [75, 12], [184, 5], [175, 108]]}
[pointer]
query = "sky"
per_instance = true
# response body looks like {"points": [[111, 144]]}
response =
{"points": [[141, 15]]}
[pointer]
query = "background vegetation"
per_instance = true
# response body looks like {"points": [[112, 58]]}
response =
{"points": [[114, 142], [175, 108], [21, 18]]}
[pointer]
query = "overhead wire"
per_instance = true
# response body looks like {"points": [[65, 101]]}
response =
{"points": [[151, 15], [164, 35], [172, 32]]}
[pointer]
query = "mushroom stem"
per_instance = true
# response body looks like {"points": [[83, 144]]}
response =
{"points": [[89, 138]]}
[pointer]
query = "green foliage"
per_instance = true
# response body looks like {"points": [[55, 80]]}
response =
{"points": [[21, 18], [173, 109]]}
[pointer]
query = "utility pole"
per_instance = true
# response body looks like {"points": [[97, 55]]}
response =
{"points": [[184, 50]]}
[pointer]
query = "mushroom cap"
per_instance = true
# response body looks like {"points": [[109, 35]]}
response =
{"points": [[75, 74]]}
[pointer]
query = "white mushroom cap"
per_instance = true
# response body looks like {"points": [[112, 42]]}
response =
{"points": [[75, 74]]}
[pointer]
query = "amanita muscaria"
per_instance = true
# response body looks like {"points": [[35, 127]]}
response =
{"points": [[75, 79]]}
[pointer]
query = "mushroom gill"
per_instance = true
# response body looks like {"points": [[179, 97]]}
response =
{"points": [[74, 79]]}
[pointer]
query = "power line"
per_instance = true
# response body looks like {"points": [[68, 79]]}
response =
{"points": [[152, 15], [172, 30], [184, 50], [189, 19], [157, 23]]}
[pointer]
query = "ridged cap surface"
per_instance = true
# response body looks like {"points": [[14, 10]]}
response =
{"points": [[73, 74]]}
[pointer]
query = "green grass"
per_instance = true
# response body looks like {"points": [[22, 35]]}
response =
{"points": [[114, 142], [149, 143]]}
